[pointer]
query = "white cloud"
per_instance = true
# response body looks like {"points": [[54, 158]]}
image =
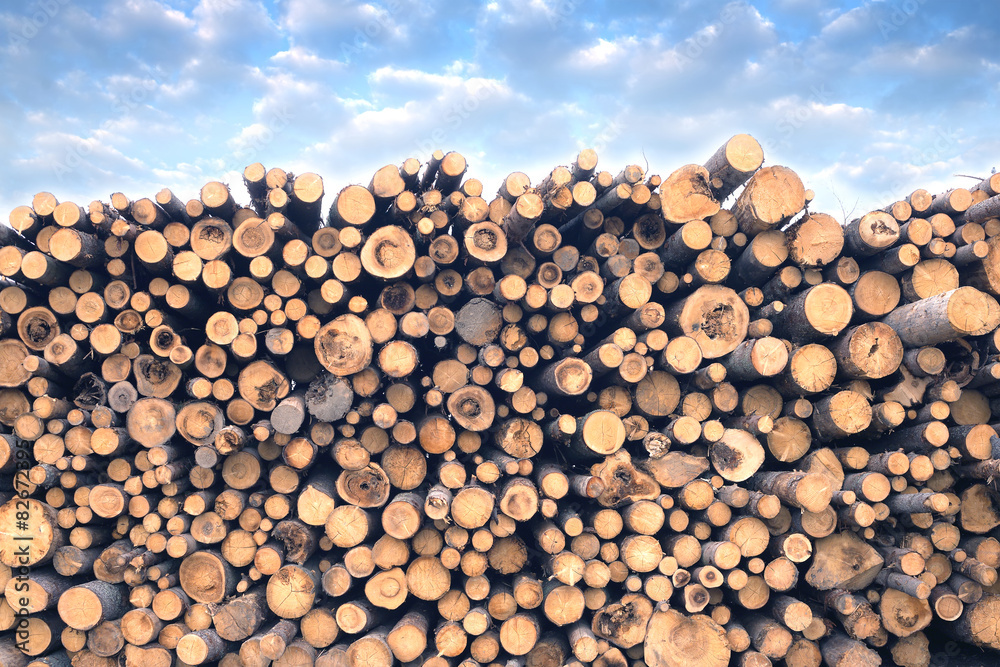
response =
{"points": [[173, 94]]}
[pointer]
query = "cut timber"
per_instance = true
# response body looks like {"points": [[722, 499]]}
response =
{"points": [[624, 623], [291, 591], [902, 614], [478, 322], [344, 345], [870, 234], [472, 407], [714, 316], [773, 196], [525, 212], [600, 432], [85, 606], [978, 623], [674, 639], [984, 210], [354, 206], [960, 312], [675, 469], [388, 253], [40, 530], [815, 241], [756, 359], [623, 481], [843, 561], [869, 351], [840, 415], [567, 377], [207, 577], [262, 385], [152, 421], [733, 164], [736, 455], [809, 491], [811, 369], [822, 310], [875, 294], [986, 274], [241, 617], [329, 398], [686, 195], [841, 651], [980, 509]]}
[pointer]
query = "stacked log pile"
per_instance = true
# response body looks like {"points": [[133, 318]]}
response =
{"points": [[610, 419]]}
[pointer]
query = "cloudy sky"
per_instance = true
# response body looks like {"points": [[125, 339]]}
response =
{"points": [[867, 101]]}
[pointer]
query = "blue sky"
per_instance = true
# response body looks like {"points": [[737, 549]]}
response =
{"points": [[867, 101]]}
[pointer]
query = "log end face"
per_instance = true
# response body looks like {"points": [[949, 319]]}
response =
{"points": [[972, 313], [686, 195], [39, 532], [573, 376], [203, 577], [717, 318], [828, 308], [344, 345], [674, 639], [80, 608], [744, 153]]}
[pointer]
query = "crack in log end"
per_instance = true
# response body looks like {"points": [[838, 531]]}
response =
{"points": [[485, 239], [211, 234], [154, 369], [879, 227], [38, 331], [726, 457], [396, 297], [164, 339], [470, 408], [388, 254], [649, 227], [268, 391], [341, 348], [254, 237], [89, 392], [718, 322]]}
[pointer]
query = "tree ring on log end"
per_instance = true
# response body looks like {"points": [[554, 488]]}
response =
{"points": [[203, 577], [572, 376], [344, 345], [717, 318], [12, 373], [388, 253], [472, 407], [39, 529], [828, 308], [367, 487]]}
